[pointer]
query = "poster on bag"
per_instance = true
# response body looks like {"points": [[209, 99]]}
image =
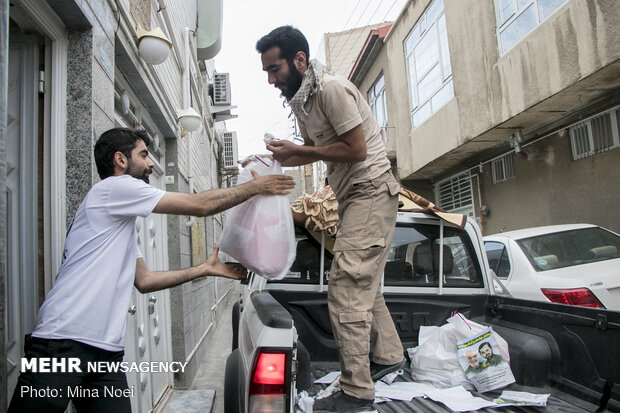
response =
{"points": [[483, 362]]}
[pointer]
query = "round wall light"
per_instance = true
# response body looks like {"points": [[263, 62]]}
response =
{"points": [[189, 119], [154, 46]]}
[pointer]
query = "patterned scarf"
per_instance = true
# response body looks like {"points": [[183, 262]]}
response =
{"points": [[310, 84]]}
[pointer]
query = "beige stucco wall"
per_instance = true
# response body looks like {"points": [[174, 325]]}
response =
{"points": [[551, 188], [578, 40], [380, 67]]}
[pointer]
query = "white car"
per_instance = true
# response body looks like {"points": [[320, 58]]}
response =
{"points": [[577, 264]]}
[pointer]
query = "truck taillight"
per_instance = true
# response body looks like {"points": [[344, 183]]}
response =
{"points": [[268, 385], [579, 296]]}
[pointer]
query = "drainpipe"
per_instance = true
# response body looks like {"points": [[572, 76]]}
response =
{"points": [[186, 93], [164, 13]]}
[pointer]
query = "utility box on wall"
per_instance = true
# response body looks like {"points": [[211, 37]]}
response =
{"points": [[221, 89], [230, 150]]}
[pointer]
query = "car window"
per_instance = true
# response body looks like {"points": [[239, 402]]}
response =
{"points": [[498, 258], [569, 248], [307, 265], [414, 258]]}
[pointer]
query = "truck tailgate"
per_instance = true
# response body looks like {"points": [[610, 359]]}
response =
{"points": [[558, 402]]}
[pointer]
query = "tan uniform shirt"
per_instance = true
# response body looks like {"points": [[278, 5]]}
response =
{"points": [[334, 110]]}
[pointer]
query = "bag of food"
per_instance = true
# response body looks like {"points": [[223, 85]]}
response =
{"points": [[435, 359], [259, 233]]}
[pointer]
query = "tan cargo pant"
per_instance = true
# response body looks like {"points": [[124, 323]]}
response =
{"points": [[357, 310]]}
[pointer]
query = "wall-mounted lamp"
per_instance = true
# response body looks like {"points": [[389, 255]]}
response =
{"points": [[189, 119], [516, 139], [154, 46]]}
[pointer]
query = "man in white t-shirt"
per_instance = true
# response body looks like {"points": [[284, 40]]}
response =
{"points": [[84, 314]]}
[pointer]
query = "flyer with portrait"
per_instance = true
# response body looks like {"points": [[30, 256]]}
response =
{"points": [[484, 364]]}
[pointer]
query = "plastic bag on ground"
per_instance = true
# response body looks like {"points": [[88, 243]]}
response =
{"points": [[259, 233], [435, 359]]}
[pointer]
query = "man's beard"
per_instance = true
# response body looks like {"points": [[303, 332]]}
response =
{"points": [[292, 82], [142, 174]]}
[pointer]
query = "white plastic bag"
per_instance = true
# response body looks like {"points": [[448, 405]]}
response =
{"points": [[435, 360], [259, 233]]}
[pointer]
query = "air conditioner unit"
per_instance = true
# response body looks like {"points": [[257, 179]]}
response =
{"points": [[230, 150], [221, 89]]}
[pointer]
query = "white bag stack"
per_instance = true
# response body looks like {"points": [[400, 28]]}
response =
{"points": [[259, 233], [435, 358]]}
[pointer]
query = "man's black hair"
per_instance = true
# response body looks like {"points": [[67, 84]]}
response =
{"points": [[486, 343], [290, 41], [121, 140]]}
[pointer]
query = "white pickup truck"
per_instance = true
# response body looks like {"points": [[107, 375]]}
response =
{"points": [[282, 337]]}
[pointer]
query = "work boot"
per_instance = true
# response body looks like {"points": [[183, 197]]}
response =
{"points": [[378, 371], [342, 403]]}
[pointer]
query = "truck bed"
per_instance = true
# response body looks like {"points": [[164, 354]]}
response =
{"points": [[558, 402], [571, 353]]}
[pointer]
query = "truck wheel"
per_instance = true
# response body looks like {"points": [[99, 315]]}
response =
{"points": [[231, 388], [235, 324]]}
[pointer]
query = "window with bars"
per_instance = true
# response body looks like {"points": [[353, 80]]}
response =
{"points": [[376, 99], [503, 168], [428, 64], [455, 192], [517, 18], [597, 134]]}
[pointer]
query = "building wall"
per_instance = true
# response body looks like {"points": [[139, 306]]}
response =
{"points": [[101, 52], [439, 134], [342, 48], [4, 50], [551, 188], [381, 66], [565, 70], [574, 43]]}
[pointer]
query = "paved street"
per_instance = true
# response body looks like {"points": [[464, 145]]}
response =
{"points": [[207, 390]]}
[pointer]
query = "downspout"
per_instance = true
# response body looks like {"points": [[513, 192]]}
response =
{"points": [[162, 8], [186, 93]]}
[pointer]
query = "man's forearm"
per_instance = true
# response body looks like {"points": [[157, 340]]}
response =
{"points": [[151, 281], [218, 200], [335, 152], [298, 161]]}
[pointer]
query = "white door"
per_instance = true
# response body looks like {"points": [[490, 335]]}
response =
{"points": [[147, 337], [156, 326], [22, 200]]}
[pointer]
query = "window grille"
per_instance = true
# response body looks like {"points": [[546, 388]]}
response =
{"points": [[503, 168], [595, 135], [455, 192]]}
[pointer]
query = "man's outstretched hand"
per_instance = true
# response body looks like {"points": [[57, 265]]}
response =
{"points": [[273, 184], [219, 269]]}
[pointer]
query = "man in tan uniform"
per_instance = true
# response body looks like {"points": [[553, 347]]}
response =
{"points": [[338, 128]]}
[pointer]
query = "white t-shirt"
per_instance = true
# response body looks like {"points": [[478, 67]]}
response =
{"points": [[91, 296]]}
